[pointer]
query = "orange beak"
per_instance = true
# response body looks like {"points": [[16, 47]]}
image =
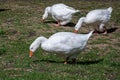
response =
{"points": [[31, 54], [75, 31], [42, 20]]}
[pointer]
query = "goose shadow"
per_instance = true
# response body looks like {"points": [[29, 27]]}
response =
{"points": [[49, 21], [112, 30], [70, 24], [87, 62], [1, 10], [69, 62]]}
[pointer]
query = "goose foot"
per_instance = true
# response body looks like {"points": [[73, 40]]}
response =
{"points": [[65, 62], [57, 25], [42, 20], [105, 32]]}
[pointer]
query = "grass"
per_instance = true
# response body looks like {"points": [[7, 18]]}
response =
{"points": [[20, 24]]}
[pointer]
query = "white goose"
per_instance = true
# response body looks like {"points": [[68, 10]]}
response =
{"points": [[66, 44], [100, 16], [60, 12]]}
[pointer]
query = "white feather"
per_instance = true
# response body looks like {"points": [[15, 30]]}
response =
{"points": [[100, 16], [60, 12], [67, 44]]}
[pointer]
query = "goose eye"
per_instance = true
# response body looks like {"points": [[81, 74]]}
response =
{"points": [[32, 48]]}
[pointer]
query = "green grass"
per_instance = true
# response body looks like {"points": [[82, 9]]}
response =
{"points": [[20, 24]]}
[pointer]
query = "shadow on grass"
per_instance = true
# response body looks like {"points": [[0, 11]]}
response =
{"points": [[70, 24], [1, 10], [112, 30], [49, 21], [67, 25], [109, 30], [90, 62], [79, 62]]}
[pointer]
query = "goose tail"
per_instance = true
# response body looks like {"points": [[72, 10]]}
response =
{"points": [[77, 11], [110, 9], [90, 34]]}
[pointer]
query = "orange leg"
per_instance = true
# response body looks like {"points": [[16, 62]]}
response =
{"points": [[105, 30], [58, 23], [43, 20], [66, 60]]}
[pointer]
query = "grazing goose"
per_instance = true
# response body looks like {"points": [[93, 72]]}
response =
{"points": [[65, 44], [98, 16], [60, 13]]}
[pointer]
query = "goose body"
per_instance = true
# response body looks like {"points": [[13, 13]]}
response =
{"points": [[60, 12], [66, 44], [98, 16]]}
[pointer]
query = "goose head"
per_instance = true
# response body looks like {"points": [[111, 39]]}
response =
{"points": [[35, 45], [110, 9], [79, 24], [47, 11]]}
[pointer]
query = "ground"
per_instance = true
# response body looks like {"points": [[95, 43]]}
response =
{"points": [[20, 24]]}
